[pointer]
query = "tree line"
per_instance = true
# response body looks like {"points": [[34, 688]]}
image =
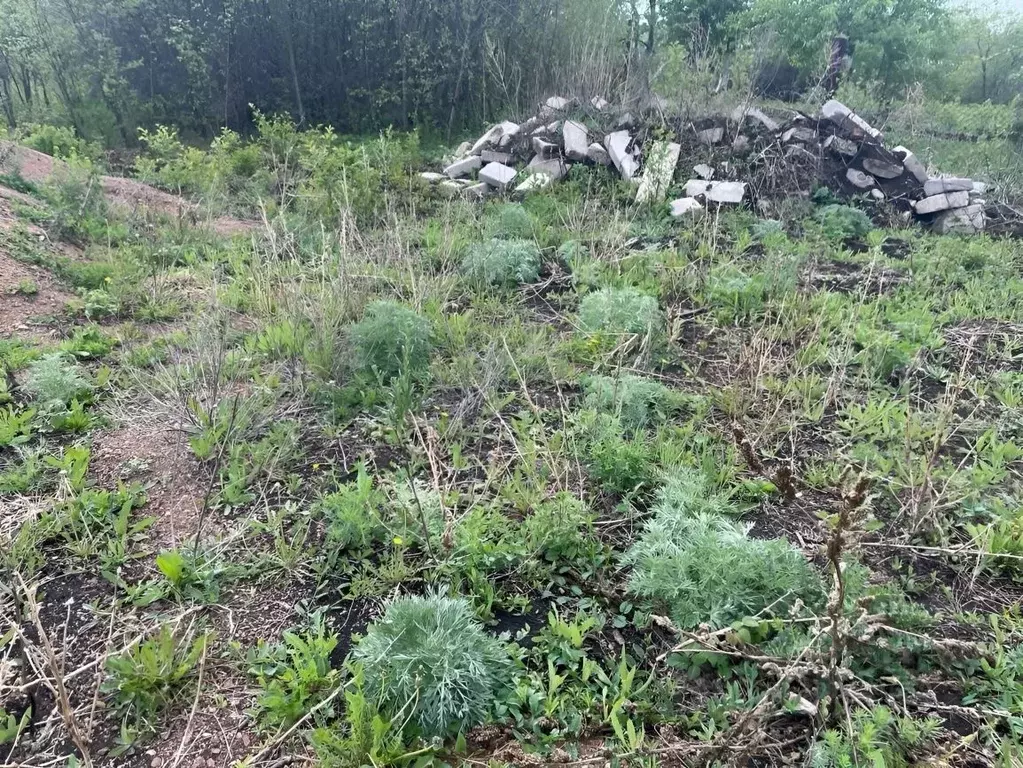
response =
{"points": [[108, 67]]}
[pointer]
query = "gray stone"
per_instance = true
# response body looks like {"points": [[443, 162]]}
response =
{"points": [[555, 167], [497, 175], [686, 206], [617, 145], [463, 149], [942, 202], [531, 125], [979, 188], [544, 148], [839, 113], [476, 191], [599, 103], [704, 171], [553, 128], [598, 154], [968, 220], [948, 184], [882, 169], [535, 182], [463, 167], [913, 165], [697, 187], [492, 156], [488, 139], [711, 136], [450, 188], [726, 192], [877, 194], [432, 177], [841, 146], [557, 103], [659, 171], [799, 133], [859, 178], [576, 141], [752, 113]]}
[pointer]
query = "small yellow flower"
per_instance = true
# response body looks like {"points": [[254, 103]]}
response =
{"points": [[106, 279], [316, 466], [397, 541]]}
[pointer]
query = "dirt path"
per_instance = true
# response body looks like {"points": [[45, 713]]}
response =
{"points": [[122, 192]]}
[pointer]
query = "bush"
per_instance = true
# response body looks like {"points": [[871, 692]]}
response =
{"points": [[431, 661], [60, 141], [703, 567], [391, 338], [619, 310], [637, 402], [76, 196], [53, 381], [502, 262], [622, 464], [839, 222], [510, 221]]}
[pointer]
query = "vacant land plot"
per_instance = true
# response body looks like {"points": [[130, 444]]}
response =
{"points": [[367, 475]]}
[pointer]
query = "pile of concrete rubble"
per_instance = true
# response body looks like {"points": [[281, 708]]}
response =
{"points": [[744, 154]]}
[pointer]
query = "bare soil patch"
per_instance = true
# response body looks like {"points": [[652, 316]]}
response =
{"points": [[23, 313]]}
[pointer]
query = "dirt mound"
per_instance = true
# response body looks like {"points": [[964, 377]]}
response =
{"points": [[120, 191]]}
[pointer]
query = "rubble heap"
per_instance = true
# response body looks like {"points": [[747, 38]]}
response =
{"points": [[750, 150]]}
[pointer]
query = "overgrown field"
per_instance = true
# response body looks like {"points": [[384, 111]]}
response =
{"points": [[385, 478]]}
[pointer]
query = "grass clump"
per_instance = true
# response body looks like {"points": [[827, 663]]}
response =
{"points": [[704, 568], [838, 222], [391, 338], [502, 263], [637, 402], [54, 381], [510, 221], [430, 661], [619, 310]]}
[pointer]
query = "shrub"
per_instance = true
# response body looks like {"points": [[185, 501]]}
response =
{"points": [[636, 401], [510, 221], [391, 338], [76, 195], [621, 464], [839, 222], [703, 567], [60, 141], [619, 310], [502, 262], [53, 381], [431, 661]]}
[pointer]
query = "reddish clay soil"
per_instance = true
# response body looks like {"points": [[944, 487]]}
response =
{"points": [[122, 192]]}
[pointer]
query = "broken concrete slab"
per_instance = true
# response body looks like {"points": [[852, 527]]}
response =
{"points": [[711, 136], [463, 167], [942, 202], [432, 177], [617, 145], [599, 103], [947, 184], [660, 170], [969, 220], [450, 188], [697, 187], [686, 207], [842, 146], [839, 113], [535, 182], [882, 169], [726, 192], [556, 168], [912, 164], [476, 191], [979, 188], [576, 141], [598, 154], [493, 156], [753, 113], [799, 133], [544, 148], [558, 103], [488, 139], [859, 179], [704, 171], [498, 175]]}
